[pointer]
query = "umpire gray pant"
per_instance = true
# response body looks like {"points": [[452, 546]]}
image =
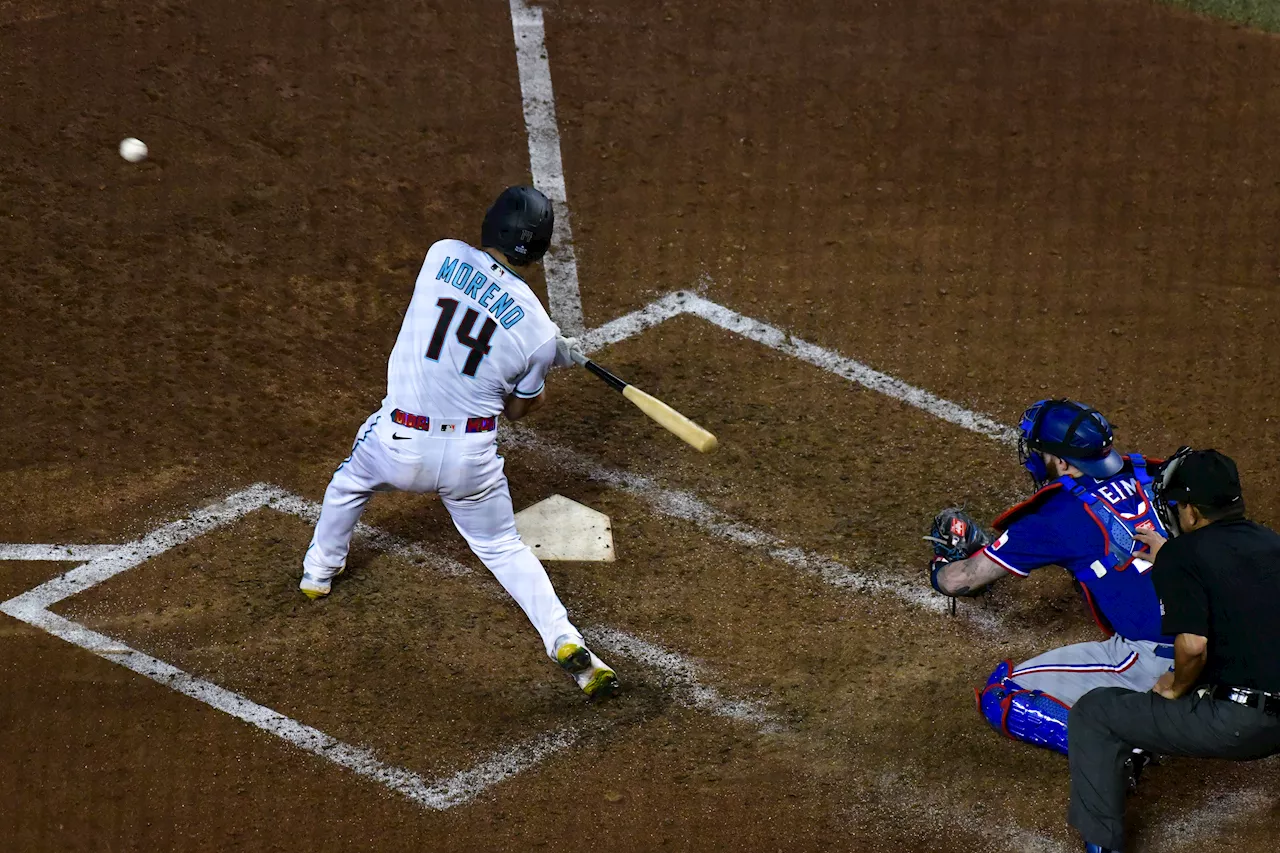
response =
{"points": [[1108, 723]]}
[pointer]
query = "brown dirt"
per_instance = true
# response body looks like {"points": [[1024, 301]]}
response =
{"points": [[997, 201]]}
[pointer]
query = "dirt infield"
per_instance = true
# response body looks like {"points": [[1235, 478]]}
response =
{"points": [[995, 202]]}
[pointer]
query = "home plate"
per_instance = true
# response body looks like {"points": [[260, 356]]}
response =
{"points": [[561, 529]]}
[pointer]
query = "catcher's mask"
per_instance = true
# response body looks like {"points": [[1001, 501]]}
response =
{"points": [[519, 224], [1070, 430]]}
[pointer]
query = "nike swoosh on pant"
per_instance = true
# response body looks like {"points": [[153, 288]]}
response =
{"points": [[400, 437]]}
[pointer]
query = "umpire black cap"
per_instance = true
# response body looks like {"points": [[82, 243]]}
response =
{"points": [[519, 224], [1205, 478]]}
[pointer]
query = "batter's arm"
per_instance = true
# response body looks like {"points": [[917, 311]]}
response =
{"points": [[967, 577], [534, 379], [517, 407]]}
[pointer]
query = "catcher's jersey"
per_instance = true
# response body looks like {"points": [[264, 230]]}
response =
{"points": [[1057, 528], [473, 335]]}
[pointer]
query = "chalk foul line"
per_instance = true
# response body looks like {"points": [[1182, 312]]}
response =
{"points": [[685, 302], [125, 557], [682, 675], [561, 262], [32, 606], [848, 368], [689, 507], [455, 790], [630, 325], [56, 553], [372, 537], [684, 678]]}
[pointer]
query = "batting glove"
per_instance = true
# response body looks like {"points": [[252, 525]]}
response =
{"points": [[566, 348]]}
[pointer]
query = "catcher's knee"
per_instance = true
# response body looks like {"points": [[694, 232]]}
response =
{"points": [[1031, 716], [988, 697]]}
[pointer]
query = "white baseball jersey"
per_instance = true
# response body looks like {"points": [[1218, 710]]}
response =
{"points": [[473, 335]]}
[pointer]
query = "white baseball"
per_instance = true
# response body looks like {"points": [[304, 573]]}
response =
{"points": [[133, 150]]}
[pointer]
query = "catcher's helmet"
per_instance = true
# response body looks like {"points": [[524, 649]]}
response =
{"points": [[1072, 431], [519, 225]]}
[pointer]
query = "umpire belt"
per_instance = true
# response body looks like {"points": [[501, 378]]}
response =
{"points": [[442, 427], [1268, 703]]}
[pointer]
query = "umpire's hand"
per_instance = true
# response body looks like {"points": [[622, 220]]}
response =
{"points": [[1164, 686], [1151, 539]]}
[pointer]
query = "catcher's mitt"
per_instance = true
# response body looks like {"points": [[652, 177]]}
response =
{"points": [[955, 536]]}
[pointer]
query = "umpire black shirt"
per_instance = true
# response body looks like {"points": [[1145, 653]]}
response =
{"points": [[1222, 582]]}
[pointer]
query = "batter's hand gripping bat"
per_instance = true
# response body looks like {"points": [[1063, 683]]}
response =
{"points": [[667, 417]]}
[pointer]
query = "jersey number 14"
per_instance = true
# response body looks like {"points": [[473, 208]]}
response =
{"points": [[479, 345]]}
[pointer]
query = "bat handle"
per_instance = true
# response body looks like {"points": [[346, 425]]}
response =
{"points": [[612, 381]]}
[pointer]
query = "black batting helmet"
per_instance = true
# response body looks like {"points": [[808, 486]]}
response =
{"points": [[519, 224]]}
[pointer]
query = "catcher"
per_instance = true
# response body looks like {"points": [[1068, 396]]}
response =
{"points": [[1089, 507]]}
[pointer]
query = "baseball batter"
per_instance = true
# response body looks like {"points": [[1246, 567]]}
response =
{"points": [[1090, 515], [475, 343]]}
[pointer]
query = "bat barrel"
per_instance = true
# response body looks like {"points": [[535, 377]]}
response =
{"points": [[666, 417]]}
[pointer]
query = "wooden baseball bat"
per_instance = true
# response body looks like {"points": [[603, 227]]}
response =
{"points": [[667, 417]]}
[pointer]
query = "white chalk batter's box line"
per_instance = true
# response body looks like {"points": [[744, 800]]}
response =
{"points": [[685, 302], [680, 675], [105, 561]]}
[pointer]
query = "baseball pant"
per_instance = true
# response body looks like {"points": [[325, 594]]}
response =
{"points": [[468, 474], [1105, 725], [1069, 672]]}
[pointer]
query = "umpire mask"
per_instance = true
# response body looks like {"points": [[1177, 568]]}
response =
{"points": [[1166, 506], [1205, 479]]}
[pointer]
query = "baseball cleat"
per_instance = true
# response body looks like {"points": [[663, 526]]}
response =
{"points": [[599, 681], [1134, 764], [596, 678], [314, 588], [572, 655]]}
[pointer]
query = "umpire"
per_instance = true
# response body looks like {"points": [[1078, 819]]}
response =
{"points": [[1219, 585]]}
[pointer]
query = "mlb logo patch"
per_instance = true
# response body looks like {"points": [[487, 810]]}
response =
{"points": [[448, 427], [999, 543]]}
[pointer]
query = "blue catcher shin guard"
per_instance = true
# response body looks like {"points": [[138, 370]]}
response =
{"points": [[1026, 715]]}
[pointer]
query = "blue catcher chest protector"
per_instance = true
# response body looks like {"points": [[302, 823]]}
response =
{"points": [[1032, 715]]}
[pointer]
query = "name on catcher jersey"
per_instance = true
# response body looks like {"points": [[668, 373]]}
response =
{"points": [[1056, 528], [473, 335]]}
